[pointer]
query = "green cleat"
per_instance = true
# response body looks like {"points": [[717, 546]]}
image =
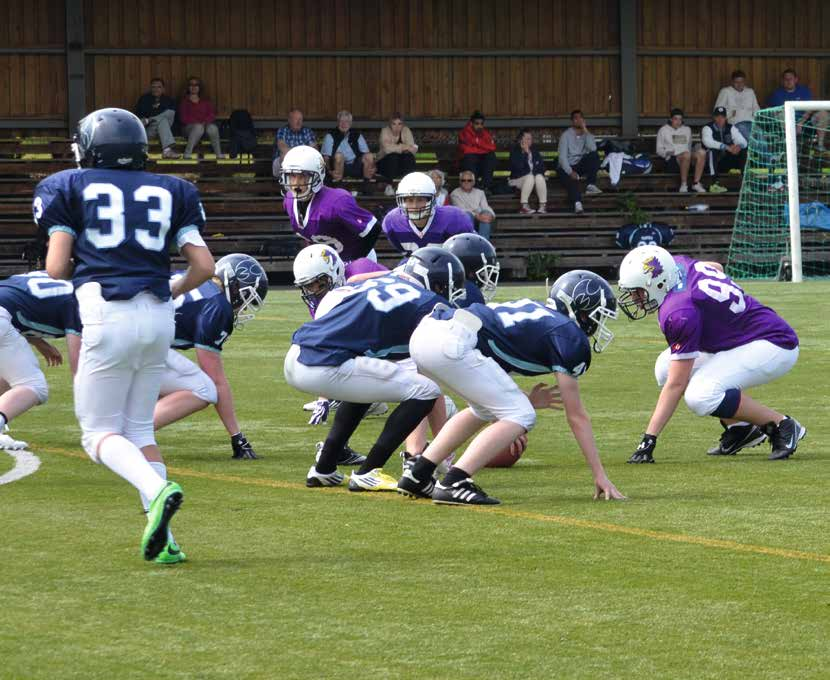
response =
{"points": [[172, 554], [161, 511]]}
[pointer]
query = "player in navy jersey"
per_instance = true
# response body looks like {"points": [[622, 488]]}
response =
{"points": [[349, 353], [32, 307], [472, 351], [110, 226], [205, 319]]}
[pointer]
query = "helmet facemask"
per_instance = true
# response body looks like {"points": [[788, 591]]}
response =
{"points": [[416, 214], [593, 323], [245, 300], [636, 303], [487, 278], [302, 191], [315, 289]]}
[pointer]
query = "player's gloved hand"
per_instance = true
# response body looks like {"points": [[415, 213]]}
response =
{"points": [[320, 413], [242, 449], [644, 451]]}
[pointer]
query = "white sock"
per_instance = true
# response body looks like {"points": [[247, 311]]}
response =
{"points": [[126, 460], [161, 470], [739, 424], [3, 422]]}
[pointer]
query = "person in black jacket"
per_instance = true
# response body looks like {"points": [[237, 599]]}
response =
{"points": [[527, 170], [157, 111]]}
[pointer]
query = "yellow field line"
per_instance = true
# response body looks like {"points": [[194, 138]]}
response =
{"points": [[561, 520]]}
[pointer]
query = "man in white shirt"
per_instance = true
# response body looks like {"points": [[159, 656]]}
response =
{"points": [[674, 146], [740, 103]]}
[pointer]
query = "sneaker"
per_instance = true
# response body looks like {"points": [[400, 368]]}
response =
{"points": [[736, 438], [316, 479], [188, 156], [161, 511], [374, 480], [169, 153], [172, 554], [526, 210], [684, 189], [465, 492], [377, 409], [221, 156], [785, 437], [348, 456], [542, 209], [412, 487], [717, 189], [389, 190], [593, 189], [8, 443], [578, 207], [699, 188]]}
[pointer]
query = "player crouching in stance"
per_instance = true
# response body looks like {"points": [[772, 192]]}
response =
{"points": [[117, 222], [721, 342], [32, 307], [472, 350], [205, 319], [349, 352]]}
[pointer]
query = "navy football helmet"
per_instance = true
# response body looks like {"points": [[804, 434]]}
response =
{"points": [[110, 138], [245, 284], [438, 270], [478, 256], [586, 298]]}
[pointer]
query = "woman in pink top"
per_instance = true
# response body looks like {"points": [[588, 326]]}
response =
{"points": [[197, 115]]}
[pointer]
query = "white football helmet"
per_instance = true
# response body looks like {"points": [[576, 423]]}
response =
{"points": [[419, 185], [317, 270], [305, 162], [647, 274]]}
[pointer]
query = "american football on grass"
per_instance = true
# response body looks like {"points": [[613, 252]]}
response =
{"points": [[510, 454]]}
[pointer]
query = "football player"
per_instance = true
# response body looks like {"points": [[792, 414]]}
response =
{"points": [[349, 353], [472, 351], [721, 342], [110, 227], [32, 307], [321, 214], [205, 318], [417, 221]]}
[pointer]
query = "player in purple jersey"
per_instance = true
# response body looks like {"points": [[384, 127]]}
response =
{"points": [[320, 214], [417, 222], [721, 342]]}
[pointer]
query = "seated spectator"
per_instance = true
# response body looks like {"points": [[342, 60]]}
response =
{"points": [[289, 136], [478, 150], [725, 147], [158, 111], [396, 155], [674, 145], [527, 170], [197, 114], [439, 179], [474, 201], [740, 103], [578, 158], [790, 90], [346, 152]]}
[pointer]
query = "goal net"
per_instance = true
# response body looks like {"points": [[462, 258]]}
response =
{"points": [[782, 225]]}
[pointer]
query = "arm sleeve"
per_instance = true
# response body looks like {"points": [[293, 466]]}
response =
{"points": [[683, 329], [707, 138], [191, 214], [185, 112], [590, 143], [738, 138], [722, 100], [214, 325], [662, 147], [755, 107], [362, 146], [72, 316], [52, 209], [484, 206], [569, 351], [328, 143], [563, 154]]}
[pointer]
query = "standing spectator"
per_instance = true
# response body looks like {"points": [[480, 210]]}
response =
{"points": [[289, 136], [674, 145], [726, 147], [197, 114], [578, 157], [157, 112], [396, 155], [346, 152], [478, 150], [474, 201], [740, 103], [527, 170], [439, 179]]}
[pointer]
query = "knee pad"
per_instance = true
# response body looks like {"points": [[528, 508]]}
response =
{"points": [[140, 434], [206, 389], [90, 442], [527, 419]]}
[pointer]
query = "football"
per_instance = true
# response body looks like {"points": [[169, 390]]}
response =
{"points": [[510, 454]]}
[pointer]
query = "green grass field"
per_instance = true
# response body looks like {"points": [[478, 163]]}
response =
{"points": [[715, 568]]}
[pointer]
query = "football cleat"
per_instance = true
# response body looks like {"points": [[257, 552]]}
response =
{"points": [[310, 406], [784, 437], [316, 479], [8, 443], [348, 456], [736, 438], [409, 485], [378, 408], [374, 480], [172, 554], [161, 511], [465, 492]]}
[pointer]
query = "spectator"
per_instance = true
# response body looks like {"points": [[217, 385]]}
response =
{"points": [[289, 136], [740, 103], [578, 158], [674, 145], [474, 201], [478, 150], [790, 90], [439, 179], [527, 170], [158, 111], [396, 155], [726, 147], [197, 114], [346, 152]]}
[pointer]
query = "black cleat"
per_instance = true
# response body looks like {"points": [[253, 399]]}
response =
{"points": [[736, 438], [409, 485], [784, 437], [465, 492]]}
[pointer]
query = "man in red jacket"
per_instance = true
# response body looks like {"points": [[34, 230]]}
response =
{"points": [[478, 150]]}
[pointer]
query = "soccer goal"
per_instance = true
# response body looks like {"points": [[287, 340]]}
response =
{"points": [[782, 225]]}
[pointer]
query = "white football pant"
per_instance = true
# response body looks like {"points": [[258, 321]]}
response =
{"points": [[18, 364], [181, 374]]}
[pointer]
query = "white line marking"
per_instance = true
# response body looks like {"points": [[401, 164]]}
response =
{"points": [[25, 464]]}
